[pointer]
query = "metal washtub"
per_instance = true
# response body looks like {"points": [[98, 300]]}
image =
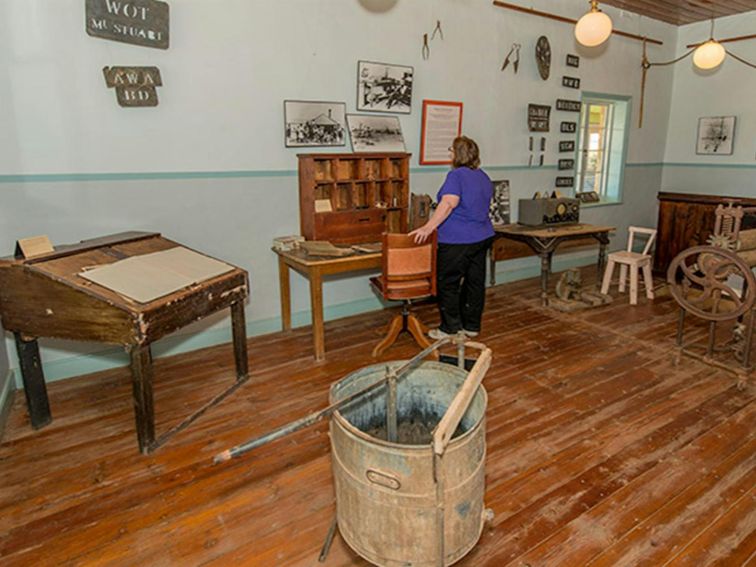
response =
{"points": [[408, 444], [386, 492]]}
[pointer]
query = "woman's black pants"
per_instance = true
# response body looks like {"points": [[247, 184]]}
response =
{"points": [[461, 272]]}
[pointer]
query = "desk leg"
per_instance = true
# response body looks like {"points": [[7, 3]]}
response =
{"points": [[545, 270], [34, 381], [601, 259], [316, 307], [240, 340], [285, 292], [144, 412]]}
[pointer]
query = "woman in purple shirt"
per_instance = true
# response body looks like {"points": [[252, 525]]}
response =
{"points": [[465, 234]]}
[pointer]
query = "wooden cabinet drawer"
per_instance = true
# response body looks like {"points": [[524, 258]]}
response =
{"points": [[350, 227]]}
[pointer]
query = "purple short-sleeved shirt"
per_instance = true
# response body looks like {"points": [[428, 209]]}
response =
{"points": [[469, 221]]}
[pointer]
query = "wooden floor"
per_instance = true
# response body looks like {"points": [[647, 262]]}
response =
{"points": [[603, 450]]}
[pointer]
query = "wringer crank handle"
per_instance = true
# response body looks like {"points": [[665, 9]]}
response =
{"points": [[313, 418]]}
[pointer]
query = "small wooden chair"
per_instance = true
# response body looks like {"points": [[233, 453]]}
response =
{"points": [[409, 272], [635, 262]]}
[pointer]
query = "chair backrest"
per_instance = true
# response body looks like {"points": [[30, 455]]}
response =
{"points": [[633, 230], [409, 269]]}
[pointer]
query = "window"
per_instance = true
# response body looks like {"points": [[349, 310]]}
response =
{"points": [[602, 140]]}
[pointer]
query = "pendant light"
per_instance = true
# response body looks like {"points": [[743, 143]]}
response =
{"points": [[594, 28], [709, 54]]}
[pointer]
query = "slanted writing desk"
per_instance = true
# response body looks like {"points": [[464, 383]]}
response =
{"points": [[45, 296]]}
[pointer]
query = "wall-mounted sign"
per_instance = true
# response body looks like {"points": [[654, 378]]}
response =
{"points": [[573, 60], [135, 86], [566, 164], [568, 127], [567, 146], [571, 82], [565, 181], [568, 105], [538, 117], [139, 22]]}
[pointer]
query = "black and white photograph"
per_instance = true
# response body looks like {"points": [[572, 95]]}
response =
{"points": [[567, 146], [572, 60], [383, 87], [314, 123], [566, 164], [375, 133], [715, 135], [499, 209]]}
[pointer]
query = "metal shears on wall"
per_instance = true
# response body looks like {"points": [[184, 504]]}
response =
{"points": [[513, 57]]}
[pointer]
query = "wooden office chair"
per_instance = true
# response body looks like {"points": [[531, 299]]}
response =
{"points": [[636, 262], [409, 272]]}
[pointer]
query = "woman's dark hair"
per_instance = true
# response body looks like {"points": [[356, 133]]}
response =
{"points": [[466, 153]]}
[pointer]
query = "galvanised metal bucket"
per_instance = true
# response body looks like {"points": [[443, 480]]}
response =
{"points": [[396, 500]]}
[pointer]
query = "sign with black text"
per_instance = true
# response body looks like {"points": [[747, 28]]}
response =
{"points": [[135, 86], [139, 22], [568, 127], [568, 105]]}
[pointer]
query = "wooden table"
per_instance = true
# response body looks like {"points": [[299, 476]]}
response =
{"points": [[545, 240], [45, 297], [314, 268]]}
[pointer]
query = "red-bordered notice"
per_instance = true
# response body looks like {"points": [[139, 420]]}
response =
{"points": [[442, 122]]}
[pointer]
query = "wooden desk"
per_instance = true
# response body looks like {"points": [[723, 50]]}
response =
{"points": [[314, 268], [45, 297], [545, 240]]}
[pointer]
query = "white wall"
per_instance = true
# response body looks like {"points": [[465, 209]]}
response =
{"points": [[226, 184], [729, 90]]}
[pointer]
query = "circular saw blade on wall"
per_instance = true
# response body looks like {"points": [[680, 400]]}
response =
{"points": [[543, 56]]}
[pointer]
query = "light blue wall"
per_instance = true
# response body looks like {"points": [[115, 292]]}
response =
{"points": [[729, 90], [207, 167]]}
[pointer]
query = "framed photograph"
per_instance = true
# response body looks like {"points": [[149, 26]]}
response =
{"points": [[499, 210], [314, 123], [572, 60], [566, 164], [715, 135], [567, 146], [375, 133], [382, 87], [442, 122], [538, 117]]}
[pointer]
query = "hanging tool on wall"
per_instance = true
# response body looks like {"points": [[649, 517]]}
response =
{"points": [[512, 57], [437, 30], [426, 47]]}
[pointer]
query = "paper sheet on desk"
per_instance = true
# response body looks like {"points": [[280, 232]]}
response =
{"points": [[150, 276]]}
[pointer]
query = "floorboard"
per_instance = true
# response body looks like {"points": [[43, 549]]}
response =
{"points": [[605, 447]]}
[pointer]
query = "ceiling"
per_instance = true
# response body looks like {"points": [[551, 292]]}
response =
{"points": [[681, 12]]}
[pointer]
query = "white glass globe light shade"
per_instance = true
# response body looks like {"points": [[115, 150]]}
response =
{"points": [[709, 55], [593, 29]]}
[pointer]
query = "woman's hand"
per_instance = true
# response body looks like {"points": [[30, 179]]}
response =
{"points": [[422, 234]]}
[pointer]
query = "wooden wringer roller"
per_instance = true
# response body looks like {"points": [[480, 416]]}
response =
{"points": [[717, 283]]}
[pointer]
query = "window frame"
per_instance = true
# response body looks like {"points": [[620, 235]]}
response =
{"points": [[613, 159]]}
